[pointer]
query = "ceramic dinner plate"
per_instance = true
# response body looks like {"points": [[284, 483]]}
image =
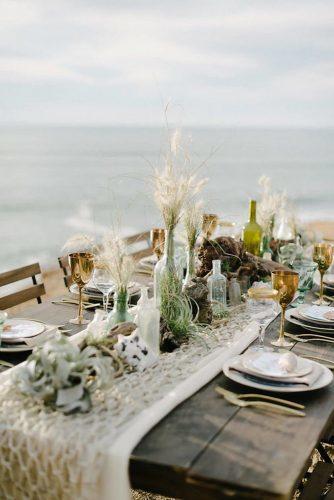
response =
{"points": [[21, 328], [268, 364], [329, 280], [324, 379], [312, 328], [93, 292], [316, 313], [328, 286]]}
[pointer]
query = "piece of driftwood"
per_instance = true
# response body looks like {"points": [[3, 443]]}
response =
{"points": [[197, 291], [235, 260]]}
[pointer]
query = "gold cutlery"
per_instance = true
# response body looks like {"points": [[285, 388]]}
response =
{"points": [[325, 362], [263, 405], [6, 363], [222, 391], [85, 305], [300, 338]]}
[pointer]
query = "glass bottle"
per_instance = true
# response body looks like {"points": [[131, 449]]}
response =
{"points": [[217, 290], [190, 266], [166, 266], [148, 321], [252, 232], [234, 292], [266, 251], [120, 313]]}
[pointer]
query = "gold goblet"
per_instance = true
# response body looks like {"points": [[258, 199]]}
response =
{"points": [[286, 283], [209, 225], [158, 241], [82, 266], [323, 256]]}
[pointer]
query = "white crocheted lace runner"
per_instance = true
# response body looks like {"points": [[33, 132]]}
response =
{"points": [[46, 455]]}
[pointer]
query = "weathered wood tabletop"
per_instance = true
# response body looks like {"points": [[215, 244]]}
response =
{"points": [[209, 449]]}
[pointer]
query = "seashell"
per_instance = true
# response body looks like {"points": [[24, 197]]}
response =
{"points": [[133, 350], [288, 362]]}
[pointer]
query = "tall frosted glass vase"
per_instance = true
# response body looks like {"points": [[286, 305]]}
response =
{"points": [[190, 266], [119, 313], [167, 279]]}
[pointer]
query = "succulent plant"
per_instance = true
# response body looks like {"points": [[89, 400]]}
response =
{"points": [[62, 376]]}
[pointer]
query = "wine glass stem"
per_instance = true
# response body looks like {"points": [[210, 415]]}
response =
{"points": [[321, 295], [80, 316], [281, 333]]}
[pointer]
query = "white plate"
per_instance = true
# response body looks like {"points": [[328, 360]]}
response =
{"points": [[21, 328], [132, 289], [311, 328], [327, 287], [329, 280], [325, 379], [267, 363], [317, 313]]}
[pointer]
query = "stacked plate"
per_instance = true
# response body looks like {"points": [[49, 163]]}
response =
{"points": [[277, 372], [95, 295], [328, 282], [17, 332], [319, 319]]}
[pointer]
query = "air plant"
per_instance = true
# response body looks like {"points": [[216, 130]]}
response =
{"points": [[62, 376]]}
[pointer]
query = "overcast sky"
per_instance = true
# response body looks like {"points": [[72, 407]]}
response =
{"points": [[263, 63]]}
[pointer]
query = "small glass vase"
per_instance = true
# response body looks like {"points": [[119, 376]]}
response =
{"points": [[266, 251], [190, 266], [120, 313], [166, 272]]}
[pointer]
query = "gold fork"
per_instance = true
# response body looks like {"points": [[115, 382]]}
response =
{"points": [[310, 338], [264, 405], [222, 391]]}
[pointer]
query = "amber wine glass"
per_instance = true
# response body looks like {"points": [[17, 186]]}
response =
{"points": [[158, 241], [323, 256], [286, 283], [82, 266]]}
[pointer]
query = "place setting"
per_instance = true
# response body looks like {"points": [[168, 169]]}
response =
{"points": [[22, 335], [277, 372]]}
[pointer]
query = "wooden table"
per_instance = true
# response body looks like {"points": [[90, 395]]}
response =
{"points": [[209, 449]]}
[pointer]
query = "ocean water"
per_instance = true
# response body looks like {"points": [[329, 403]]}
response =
{"points": [[57, 181]]}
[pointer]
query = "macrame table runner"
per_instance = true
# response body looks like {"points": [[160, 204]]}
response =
{"points": [[49, 456]]}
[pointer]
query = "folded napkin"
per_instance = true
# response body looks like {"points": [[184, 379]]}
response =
{"points": [[261, 378]]}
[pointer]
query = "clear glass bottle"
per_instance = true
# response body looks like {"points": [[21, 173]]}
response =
{"points": [[190, 266], [252, 232], [234, 292], [217, 290], [148, 321], [167, 267]]}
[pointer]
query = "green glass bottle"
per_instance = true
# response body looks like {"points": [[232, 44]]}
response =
{"points": [[252, 232]]}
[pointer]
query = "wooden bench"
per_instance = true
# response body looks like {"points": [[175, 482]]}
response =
{"points": [[18, 297]]}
